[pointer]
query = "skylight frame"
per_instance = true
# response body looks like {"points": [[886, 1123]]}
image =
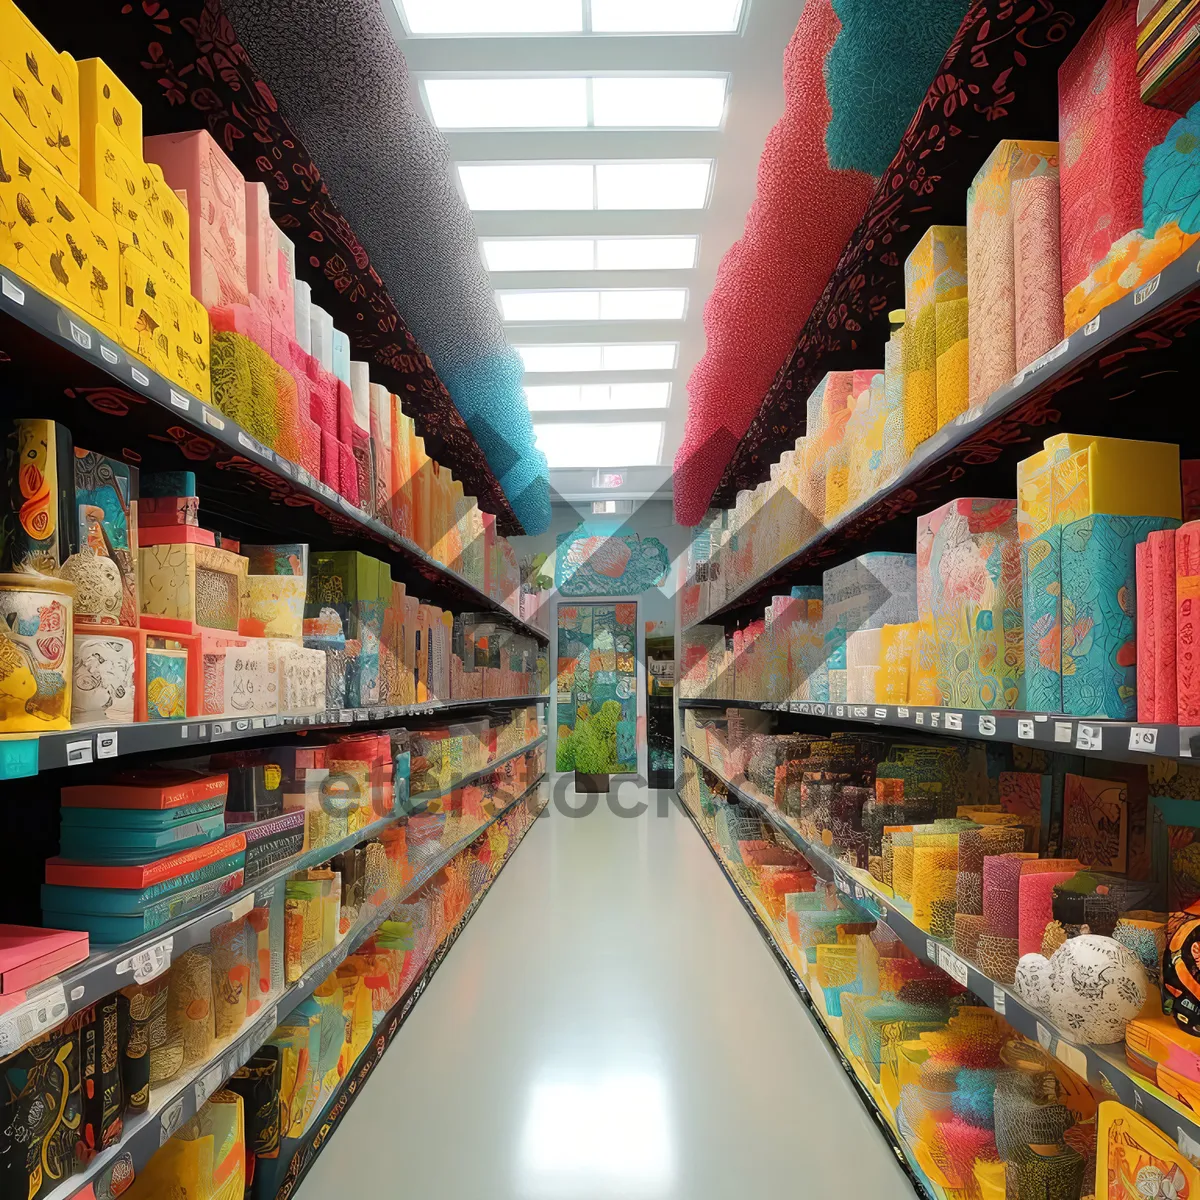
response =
{"points": [[600, 355], [584, 27], [650, 396], [563, 296], [597, 244], [589, 95], [611, 168], [583, 436]]}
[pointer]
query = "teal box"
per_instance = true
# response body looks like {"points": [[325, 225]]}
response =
{"points": [[18, 757], [1041, 591], [1099, 614], [112, 844]]}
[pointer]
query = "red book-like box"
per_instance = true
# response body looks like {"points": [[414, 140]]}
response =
{"points": [[29, 955], [142, 875], [149, 789]]}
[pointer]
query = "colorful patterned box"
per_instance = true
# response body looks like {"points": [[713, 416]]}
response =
{"points": [[991, 260], [896, 646], [808, 674], [187, 588], [1037, 277], [1099, 589], [1041, 575], [1168, 53], [969, 584], [1035, 505], [935, 365], [166, 680], [1105, 131], [828, 412], [1187, 622], [195, 164], [848, 447]]}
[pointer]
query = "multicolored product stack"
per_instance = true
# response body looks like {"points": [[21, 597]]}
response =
{"points": [[1045, 603], [979, 1109], [120, 606], [1054, 232]]}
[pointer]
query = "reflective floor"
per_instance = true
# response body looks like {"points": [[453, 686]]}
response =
{"points": [[609, 1024]]}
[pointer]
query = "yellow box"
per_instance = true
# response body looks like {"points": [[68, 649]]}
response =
{"points": [[896, 645], [1117, 477], [105, 102], [166, 328], [39, 93], [935, 293], [51, 236], [147, 214], [1034, 504]]}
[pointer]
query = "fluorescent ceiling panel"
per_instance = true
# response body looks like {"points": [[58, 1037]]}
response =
{"points": [[539, 254], [517, 186], [586, 254], [646, 253], [605, 304], [597, 397], [562, 102], [635, 356], [658, 102], [564, 185], [664, 16], [526, 103], [643, 304], [615, 444], [652, 185], [491, 16]]}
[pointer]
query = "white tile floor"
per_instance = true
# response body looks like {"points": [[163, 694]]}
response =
{"points": [[608, 1025]]}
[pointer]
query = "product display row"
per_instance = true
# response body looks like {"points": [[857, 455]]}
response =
{"points": [[1002, 865], [976, 1108], [120, 606], [1076, 598], [1054, 233], [130, 1064], [162, 247]]}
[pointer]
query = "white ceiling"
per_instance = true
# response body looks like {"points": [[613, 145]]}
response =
{"points": [[577, 177]]}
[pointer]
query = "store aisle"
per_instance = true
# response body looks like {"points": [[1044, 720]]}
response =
{"points": [[610, 1024]]}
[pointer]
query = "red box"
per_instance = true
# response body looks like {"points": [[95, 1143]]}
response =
{"points": [[174, 535], [152, 788]]}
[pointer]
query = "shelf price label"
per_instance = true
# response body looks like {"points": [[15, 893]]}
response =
{"points": [[1025, 730], [952, 965], [1062, 731], [987, 725], [1143, 739], [954, 721], [1089, 737], [29, 1020], [148, 963], [999, 998]]}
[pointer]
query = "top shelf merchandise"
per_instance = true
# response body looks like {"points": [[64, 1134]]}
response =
{"points": [[149, 303]]}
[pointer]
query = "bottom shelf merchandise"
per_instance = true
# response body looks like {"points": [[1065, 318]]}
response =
{"points": [[261, 1120], [976, 1110]]}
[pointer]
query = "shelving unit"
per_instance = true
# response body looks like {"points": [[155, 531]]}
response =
{"points": [[111, 968], [764, 925], [1118, 741], [77, 747], [1144, 338], [179, 1100], [1102, 1066], [104, 394]]}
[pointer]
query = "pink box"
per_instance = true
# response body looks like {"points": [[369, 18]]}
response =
{"points": [[1161, 551], [262, 250], [216, 200], [348, 472], [345, 412], [250, 320], [310, 445], [331, 459], [323, 403], [1187, 622], [1146, 605], [168, 510]]}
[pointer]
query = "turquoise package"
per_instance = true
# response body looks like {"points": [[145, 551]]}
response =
{"points": [[109, 844], [142, 818], [113, 928]]}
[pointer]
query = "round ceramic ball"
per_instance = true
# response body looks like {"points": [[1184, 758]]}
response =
{"points": [[1096, 988], [1032, 981]]}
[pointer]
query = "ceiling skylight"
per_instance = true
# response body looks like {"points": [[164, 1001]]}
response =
{"points": [[615, 444], [577, 102], [603, 304], [566, 185], [597, 397], [587, 254], [662, 102], [665, 16], [491, 16], [635, 356], [528, 103]]}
